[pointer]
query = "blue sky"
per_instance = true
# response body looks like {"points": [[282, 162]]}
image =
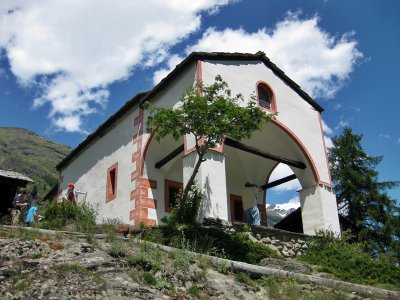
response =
{"points": [[66, 66]]}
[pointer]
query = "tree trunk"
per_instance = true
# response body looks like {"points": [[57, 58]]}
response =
{"points": [[190, 182]]}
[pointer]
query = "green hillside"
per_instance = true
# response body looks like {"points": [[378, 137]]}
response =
{"points": [[23, 151]]}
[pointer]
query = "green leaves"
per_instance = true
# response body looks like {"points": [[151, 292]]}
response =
{"points": [[209, 113], [362, 197]]}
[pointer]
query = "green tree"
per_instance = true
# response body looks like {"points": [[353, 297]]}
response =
{"points": [[209, 113], [361, 197]]}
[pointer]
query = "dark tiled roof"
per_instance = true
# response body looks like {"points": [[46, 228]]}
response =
{"points": [[140, 98], [14, 175]]}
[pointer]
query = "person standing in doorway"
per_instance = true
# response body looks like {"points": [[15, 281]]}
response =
{"points": [[250, 196]]}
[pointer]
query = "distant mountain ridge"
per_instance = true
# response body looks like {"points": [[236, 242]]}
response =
{"points": [[276, 212], [281, 210], [24, 151]]}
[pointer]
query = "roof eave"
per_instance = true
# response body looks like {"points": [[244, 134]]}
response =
{"points": [[193, 57], [101, 130]]}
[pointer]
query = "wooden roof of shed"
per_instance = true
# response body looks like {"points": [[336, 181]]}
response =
{"points": [[14, 176]]}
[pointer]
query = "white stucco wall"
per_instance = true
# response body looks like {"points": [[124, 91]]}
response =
{"points": [[212, 182], [89, 170], [316, 214], [169, 97], [293, 111]]}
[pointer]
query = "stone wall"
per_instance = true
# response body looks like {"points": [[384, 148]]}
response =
{"points": [[288, 244]]}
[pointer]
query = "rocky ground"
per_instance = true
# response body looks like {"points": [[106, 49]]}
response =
{"points": [[39, 266]]}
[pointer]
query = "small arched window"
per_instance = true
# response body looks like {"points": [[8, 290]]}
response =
{"points": [[265, 96]]}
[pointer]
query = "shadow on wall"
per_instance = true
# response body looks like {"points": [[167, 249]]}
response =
{"points": [[205, 207]]}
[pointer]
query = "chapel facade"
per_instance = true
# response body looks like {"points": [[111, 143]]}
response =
{"points": [[130, 177]]}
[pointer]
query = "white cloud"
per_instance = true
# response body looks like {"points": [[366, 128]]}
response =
{"points": [[357, 109], [328, 142], [72, 50], [315, 59], [326, 128], [337, 106], [172, 62], [385, 136], [70, 124], [280, 172], [342, 123], [327, 132]]}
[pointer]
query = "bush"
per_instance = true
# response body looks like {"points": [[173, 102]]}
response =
{"points": [[187, 212], [349, 262], [67, 215], [117, 249], [236, 246], [149, 278], [147, 259]]}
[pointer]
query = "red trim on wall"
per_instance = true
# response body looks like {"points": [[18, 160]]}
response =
{"points": [[140, 193], [272, 94], [112, 180], [144, 182], [326, 152], [146, 202], [301, 146]]}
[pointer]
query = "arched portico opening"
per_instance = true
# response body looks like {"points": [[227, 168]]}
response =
{"points": [[222, 176], [162, 162], [254, 159]]}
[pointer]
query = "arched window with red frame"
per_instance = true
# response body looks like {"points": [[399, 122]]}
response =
{"points": [[265, 96]]}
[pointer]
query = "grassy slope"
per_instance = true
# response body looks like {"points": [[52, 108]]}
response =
{"points": [[24, 151]]}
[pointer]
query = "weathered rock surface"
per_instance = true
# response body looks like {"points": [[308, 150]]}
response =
{"points": [[73, 269], [68, 267]]}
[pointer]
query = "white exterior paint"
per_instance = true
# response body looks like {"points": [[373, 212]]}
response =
{"points": [[221, 175], [295, 113], [89, 170], [317, 214], [211, 178]]}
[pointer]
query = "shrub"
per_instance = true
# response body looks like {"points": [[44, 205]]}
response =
{"points": [[188, 210], [117, 249], [147, 259], [66, 215], [109, 227], [236, 246], [193, 291], [222, 267], [149, 278], [349, 262], [244, 278]]}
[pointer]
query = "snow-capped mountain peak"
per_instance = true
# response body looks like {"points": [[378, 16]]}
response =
{"points": [[283, 209]]}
